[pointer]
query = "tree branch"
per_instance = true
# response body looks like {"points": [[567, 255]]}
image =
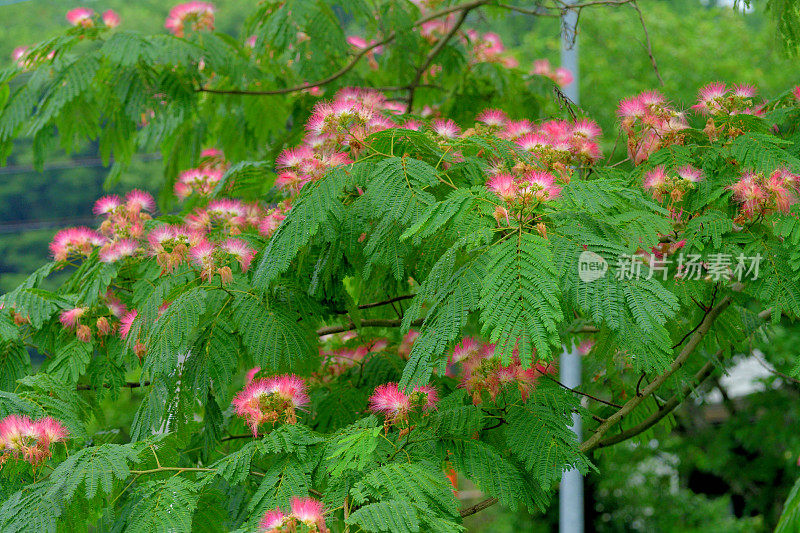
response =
{"points": [[478, 507], [698, 335], [663, 411], [129, 385], [440, 44], [369, 323], [576, 391], [647, 46], [387, 302], [353, 62]]}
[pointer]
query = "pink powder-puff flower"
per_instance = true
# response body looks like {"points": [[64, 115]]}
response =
{"points": [[541, 67], [631, 108], [709, 98], [196, 15], [690, 173], [269, 400], [203, 253], [652, 98], [111, 19], [531, 142], [562, 77], [114, 305], [395, 405], [137, 200], [126, 322], [69, 317], [404, 350], [50, 430], [541, 184], [240, 250], [273, 521], [446, 128], [114, 251], [796, 92], [468, 347], [70, 241], [19, 55], [492, 117], [504, 186], [270, 223], [80, 16], [293, 157], [744, 91], [310, 512], [107, 204], [586, 128], [655, 178]]}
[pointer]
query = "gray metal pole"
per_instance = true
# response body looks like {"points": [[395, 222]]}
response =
{"points": [[571, 493]]}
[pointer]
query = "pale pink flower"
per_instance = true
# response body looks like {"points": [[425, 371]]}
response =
{"points": [[563, 77], [586, 128], [541, 184], [251, 374], [504, 186], [631, 108], [690, 173], [80, 241], [272, 521], [744, 91], [310, 512], [114, 251], [50, 430], [107, 204], [542, 67], [126, 322], [655, 178], [202, 253], [240, 250], [196, 15], [137, 200], [69, 317], [393, 403], [111, 19], [270, 400], [467, 348], [796, 92], [533, 141], [492, 117], [446, 128], [80, 16]]}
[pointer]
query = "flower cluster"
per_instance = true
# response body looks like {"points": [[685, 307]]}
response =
{"points": [[339, 360], [674, 184], [29, 440], [396, 405], [85, 18], [760, 194], [123, 223], [488, 48], [306, 511], [195, 16], [650, 124], [72, 242], [560, 76], [271, 400], [718, 100], [359, 43], [483, 372], [202, 180]]}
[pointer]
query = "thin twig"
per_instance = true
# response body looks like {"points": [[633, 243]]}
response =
{"points": [[352, 63], [648, 46], [698, 335], [368, 323], [387, 302], [478, 507], [129, 385], [576, 391], [663, 411]]}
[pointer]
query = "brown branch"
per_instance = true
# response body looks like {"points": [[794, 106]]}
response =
{"points": [[353, 62], [440, 44], [663, 411], [772, 370], [478, 507], [387, 302], [698, 335], [647, 46], [576, 391], [129, 385], [369, 323]]}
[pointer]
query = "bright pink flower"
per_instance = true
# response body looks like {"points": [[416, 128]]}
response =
{"points": [[709, 98], [272, 521], [80, 241], [114, 305], [69, 317], [270, 400], [196, 15], [796, 92], [240, 250], [80, 16], [19, 56], [446, 128], [504, 186], [744, 91], [467, 348], [395, 404], [107, 204], [533, 141], [114, 251], [251, 374], [586, 128], [562, 77], [541, 184], [126, 322], [492, 117], [137, 200], [652, 98], [655, 178], [50, 430], [111, 19], [226, 208], [293, 157], [202, 253], [310, 512], [690, 173], [631, 108]]}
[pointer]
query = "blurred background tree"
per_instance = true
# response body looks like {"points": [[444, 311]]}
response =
{"points": [[721, 474]]}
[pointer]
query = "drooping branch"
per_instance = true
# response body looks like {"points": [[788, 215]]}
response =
{"points": [[698, 335], [647, 44], [440, 44], [353, 61], [369, 323], [663, 411]]}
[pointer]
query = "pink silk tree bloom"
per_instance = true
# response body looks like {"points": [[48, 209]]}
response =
{"points": [[107, 204], [50, 430], [492, 117], [19, 56], [744, 91], [270, 400], [541, 185], [631, 108], [69, 317], [111, 18], [542, 67], [690, 173], [251, 374], [272, 521], [79, 241], [310, 512], [126, 322], [196, 15], [709, 98], [446, 128], [796, 92], [504, 186], [467, 348], [240, 250], [137, 201], [395, 405], [562, 77], [203, 253], [586, 128], [81, 16]]}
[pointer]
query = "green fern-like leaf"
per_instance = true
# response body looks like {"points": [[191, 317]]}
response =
{"points": [[520, 304], [392, 516], [166, 505], [96, 469]]}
